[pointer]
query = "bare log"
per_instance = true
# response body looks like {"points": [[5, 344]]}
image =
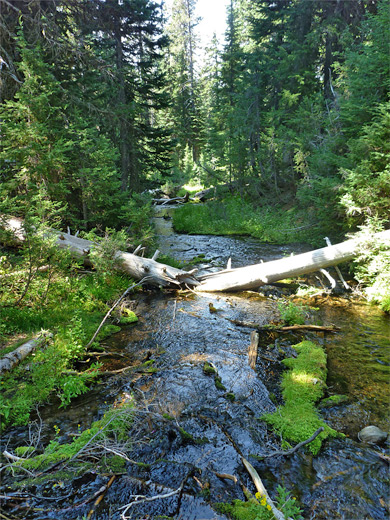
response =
{"points": [[254, 276], [158, 275], [174, 200], [19, 354]]}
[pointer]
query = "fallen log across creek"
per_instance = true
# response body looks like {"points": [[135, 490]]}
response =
{"points": [[254, 276], [240, 279], [153, 273]]}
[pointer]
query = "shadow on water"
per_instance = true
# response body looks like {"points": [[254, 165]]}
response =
{"points": [[193, 427]]}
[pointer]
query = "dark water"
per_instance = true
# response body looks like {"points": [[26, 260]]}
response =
{"points": [[347, 480]]}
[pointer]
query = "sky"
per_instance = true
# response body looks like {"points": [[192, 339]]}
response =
{"points": [[213, 14]]}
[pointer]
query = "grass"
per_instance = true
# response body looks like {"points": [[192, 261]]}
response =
{"points": [[72, 310], [114, 426], [236, 216], [303, 386]]}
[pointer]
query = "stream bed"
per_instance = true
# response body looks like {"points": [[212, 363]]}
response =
{"points": [[189, 430]]}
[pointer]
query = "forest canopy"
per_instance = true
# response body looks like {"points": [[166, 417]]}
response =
{"points": [[102, 100]]}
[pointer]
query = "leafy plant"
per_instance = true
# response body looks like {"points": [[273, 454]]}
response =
{"points": [[292, 313]]}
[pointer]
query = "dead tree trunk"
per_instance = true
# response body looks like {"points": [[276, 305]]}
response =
{"points": [[254, 276], [243, 278], [16, 356], [152, 272]]}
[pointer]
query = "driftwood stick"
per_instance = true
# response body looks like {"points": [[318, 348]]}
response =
{"points": [[295, 448], [142, 499], [272, 328], [253, 347], [112, 308], [346, 286], [261, 488]]}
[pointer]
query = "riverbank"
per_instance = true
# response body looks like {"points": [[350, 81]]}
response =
{"points": [[287, 224]]}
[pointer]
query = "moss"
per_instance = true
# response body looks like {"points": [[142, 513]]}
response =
{"points": [[239, 510], [209, 370], [230, 396], [115, 464], [303, 385], [22, 451], [115, 422], [218, 383], [333, 400], [128, 316]]}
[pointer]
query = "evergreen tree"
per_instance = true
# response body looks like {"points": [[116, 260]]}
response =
{"points": [[182, 77]]}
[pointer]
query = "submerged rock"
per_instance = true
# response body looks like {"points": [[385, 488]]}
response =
{"points": [[372, 435]]}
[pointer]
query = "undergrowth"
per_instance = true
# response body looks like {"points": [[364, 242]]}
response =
{"points": [[257, 507], [303, 386], [236, 216], [113, 429], [61, 299]]}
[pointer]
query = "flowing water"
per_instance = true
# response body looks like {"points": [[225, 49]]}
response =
{"points": [[192, 427]]}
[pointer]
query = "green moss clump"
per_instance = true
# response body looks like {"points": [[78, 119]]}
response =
{"points": [[239, 510], [230, 396], [128, 317], [218, 383], [115, 464], [302, 386], [208, 369], [115, 423]]}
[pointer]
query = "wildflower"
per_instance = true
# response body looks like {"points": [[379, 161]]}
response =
{"points": [[269, 507], [263, 501], [258, 495]]}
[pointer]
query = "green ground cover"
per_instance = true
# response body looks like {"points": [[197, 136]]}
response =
{"points": [[303, 386], [237, 216]]}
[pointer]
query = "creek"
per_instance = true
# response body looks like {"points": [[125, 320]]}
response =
{"points": [[347, 480]]}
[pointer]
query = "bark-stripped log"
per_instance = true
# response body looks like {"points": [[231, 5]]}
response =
{"points": [[254, 276], [153, 273], [19, 354], [243, 278]]}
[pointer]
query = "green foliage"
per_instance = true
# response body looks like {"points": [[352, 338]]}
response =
{"points": [[58, 300], [237, 216], [292, 313], [303, 385], [366, 188], [257, 508], [372, 265], [114, 426]]}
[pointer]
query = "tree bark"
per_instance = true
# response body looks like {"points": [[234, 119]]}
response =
{"points": [[254, 276], [16, 356]]}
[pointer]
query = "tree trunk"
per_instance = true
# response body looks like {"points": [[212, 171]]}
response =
{"points": [[152, 272], [254, 276], [16, 356], [243, 278]]}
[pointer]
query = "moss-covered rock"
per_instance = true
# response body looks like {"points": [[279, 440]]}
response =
{"points": [[303, 386]]}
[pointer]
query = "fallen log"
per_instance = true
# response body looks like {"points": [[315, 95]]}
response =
{"points": [[287, 328], [254, 276], [173, 200], [243, 278], [13, 358], [139, 268]]}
